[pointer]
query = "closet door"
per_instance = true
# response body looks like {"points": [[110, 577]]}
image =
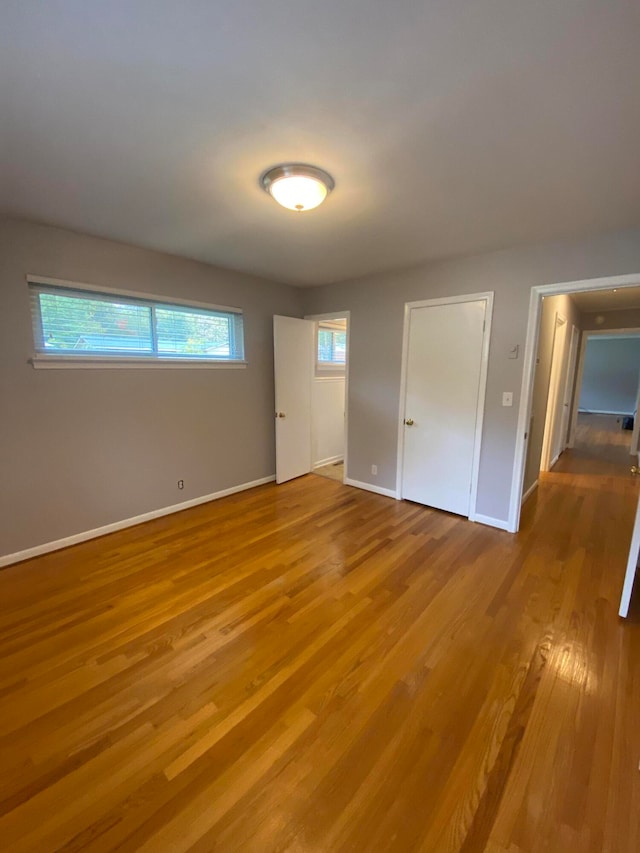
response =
{"points": [[443, 368]]}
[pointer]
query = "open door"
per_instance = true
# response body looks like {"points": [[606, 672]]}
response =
{"points": [[569, 384], [293, 343], [551, 439], [632, 563]]}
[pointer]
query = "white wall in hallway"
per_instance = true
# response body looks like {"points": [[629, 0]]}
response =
{"points": [[328, 419]]}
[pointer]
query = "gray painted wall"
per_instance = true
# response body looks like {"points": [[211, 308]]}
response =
{"points": [[610, 376], [83, 448], [376, 304]]}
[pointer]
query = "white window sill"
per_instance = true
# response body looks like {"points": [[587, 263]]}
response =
{"points": [[66, 362]]}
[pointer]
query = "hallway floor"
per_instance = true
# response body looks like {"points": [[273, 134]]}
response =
{"points": [[601, 447]]}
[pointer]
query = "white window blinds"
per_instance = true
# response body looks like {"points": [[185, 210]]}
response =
{"points": [[72, 322]]}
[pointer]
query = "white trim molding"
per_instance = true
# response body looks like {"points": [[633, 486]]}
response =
{"points": [[605, 412], [45, 548], [529, 491], [330, 460], [369, 487], [487, 296], [488, 521], [531, 346], [109, 362]]}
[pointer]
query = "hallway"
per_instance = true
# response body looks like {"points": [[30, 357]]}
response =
{"points": [[592, 493]]}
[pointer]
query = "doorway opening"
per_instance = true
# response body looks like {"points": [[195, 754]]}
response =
{"points": [[329, 395], [311, 378], [585, 383], [579, 407]]}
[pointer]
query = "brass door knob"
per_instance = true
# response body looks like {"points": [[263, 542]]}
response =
{"points": [[635, 470], [281, 415], [409, 421]]}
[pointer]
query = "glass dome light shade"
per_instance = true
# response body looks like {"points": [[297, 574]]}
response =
{"points": [[298, 187]]}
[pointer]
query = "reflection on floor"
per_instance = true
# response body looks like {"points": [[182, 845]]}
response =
{"points": [[335, 471], [601, 447]]}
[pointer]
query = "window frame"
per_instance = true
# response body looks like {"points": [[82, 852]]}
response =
{"points": [[43, 359], [329, 365]]}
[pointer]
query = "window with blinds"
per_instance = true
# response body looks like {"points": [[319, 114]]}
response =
{"points": [[70, 322], [332, 343]]}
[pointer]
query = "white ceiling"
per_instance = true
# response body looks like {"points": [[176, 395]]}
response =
{"points": [[623, 298], [450, 126]]}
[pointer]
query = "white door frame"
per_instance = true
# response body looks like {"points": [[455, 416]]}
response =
{"points": [[531, 345], [487, 296], [335, 315]]}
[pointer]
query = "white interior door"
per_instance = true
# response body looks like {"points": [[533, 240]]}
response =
{"points": [[635, 435], [443, 372], [568, 390], [632, 564], [293, 342], [552, 424]]}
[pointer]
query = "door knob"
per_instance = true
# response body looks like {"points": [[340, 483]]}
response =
{"points": [[409, 421], [635, 470], [281, 415]]}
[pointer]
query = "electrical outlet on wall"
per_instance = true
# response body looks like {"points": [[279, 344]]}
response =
{"points": [[374, 470]]}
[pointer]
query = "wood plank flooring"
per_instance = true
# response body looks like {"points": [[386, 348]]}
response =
{"points": [[335, 471], [310, 667]]}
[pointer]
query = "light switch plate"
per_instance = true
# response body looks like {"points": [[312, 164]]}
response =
{"points": [[507, 398]]}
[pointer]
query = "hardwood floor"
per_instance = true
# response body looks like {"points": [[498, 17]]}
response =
{"points": [[335, 471], [310, 667], [602, 446]]}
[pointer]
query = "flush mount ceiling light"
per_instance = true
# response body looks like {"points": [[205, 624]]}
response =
{"points": [[297, 186]]}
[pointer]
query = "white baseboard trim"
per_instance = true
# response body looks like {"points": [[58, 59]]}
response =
{"points": [[491, 522], [553, 461], [605, 412], [328, 461], [529, 491], [28, 553], [368, 487]]}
